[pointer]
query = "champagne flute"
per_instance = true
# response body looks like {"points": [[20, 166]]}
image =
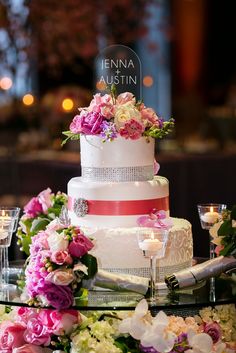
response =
{"points": [[152, 242]]}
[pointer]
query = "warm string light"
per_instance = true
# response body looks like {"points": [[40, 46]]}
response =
{"points": [[147, 81], [5, 83], [28, 99]]}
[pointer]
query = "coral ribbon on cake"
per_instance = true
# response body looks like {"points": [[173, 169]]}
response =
{"points": [[122, 208]]}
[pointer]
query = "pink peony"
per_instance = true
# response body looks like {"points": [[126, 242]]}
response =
{"points": [[11, 335], [45, 199], [132, 129], [61, 258], [88, 123], [60, 277], [33, 208], [80, 245], [125, 97], [30, 348]]}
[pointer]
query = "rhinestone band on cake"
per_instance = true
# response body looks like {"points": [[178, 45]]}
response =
{"points": [[119, 174]]}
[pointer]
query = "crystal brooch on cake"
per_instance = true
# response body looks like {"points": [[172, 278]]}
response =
{"points": [[80, 207]]}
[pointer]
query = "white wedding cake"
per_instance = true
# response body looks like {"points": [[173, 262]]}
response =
{"points": [[117, 186]]}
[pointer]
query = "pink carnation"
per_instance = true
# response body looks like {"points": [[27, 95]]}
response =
{"points": [[132, 129], [150, 116], [33, 208]]}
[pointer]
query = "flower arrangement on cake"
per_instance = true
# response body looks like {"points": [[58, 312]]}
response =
{"points": [[27, 330], [38, 213], [110, 115], [58, 262], [224, 233]]}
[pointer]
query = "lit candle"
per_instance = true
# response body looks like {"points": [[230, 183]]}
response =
{"points": [[211, 216], [150, 245], [5, 221]]}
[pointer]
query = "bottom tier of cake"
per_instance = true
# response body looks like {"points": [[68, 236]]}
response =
{"points": [[117, 250]]}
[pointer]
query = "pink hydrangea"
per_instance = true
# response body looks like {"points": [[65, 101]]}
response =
{"points": [[132, 129]]}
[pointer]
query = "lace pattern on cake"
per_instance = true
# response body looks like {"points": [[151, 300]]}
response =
{"points": [[118, 174]]}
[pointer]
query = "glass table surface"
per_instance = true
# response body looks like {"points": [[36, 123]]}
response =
{"points": [[215, 291]]}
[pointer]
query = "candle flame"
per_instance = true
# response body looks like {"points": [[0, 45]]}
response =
{"points": [[3, 213], [211, 209]]}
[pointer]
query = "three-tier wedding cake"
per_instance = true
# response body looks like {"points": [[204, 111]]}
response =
{"points": [[118, 186]]}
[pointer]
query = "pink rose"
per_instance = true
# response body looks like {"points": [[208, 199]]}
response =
{"points": [[11, 335], [60, 277], [30, 348], [59, 322], [88, 123], [103, 105], [36, 333], [59, 297], [80, 245], [33, 208], [213, 329], [61, 257], [132, 129], [45, 199], [125, 97]]}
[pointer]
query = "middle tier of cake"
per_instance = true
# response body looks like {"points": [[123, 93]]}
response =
{"points": [[115, 204]]}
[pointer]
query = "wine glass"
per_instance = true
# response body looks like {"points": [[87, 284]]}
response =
{"points": [[8, 223], [152, 242], [209, 214]]}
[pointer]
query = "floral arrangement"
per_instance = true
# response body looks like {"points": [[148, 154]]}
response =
{"points": [[26, 330], [38, 213], [111, 115], [224, 233], [58, 262]]}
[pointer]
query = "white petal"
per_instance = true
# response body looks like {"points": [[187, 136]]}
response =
{"points": [[161, 318], [142, 308], [125, 325], [202, 342], [138, 328], [165, 344]]}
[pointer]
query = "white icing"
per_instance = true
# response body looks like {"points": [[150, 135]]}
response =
{"points": [[117, 153], [114, 191], [118, 250]]}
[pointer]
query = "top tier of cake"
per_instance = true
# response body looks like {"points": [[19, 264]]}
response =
{"points": [[120, 160]]}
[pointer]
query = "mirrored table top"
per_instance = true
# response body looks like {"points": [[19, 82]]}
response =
{"points": [[215, 291]]}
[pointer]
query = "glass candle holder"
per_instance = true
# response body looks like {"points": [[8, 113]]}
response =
{"points": [[152, 242], [209, 214], [8, 224]]}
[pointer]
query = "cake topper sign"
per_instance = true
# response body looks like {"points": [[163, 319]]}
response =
{"points": [[120, 66]]}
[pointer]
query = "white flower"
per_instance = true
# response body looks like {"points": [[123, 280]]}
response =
{"points": [[57, 241], [158, 336], [214, 233], [124, 113], [136, 325], [200, 342]]}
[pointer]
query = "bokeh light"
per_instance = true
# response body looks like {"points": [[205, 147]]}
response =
{"points": [[147, 81], [67, 104], [5, 83], [28, 99]]}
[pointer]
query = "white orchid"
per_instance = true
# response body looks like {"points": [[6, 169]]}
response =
{"points": [[138, 323], [158, 336], [199, 342], [216, 239]]}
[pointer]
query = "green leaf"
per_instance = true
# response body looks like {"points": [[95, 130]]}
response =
{"points": [[225, 228], [91, 262], [227, 250], [39, 224]]}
